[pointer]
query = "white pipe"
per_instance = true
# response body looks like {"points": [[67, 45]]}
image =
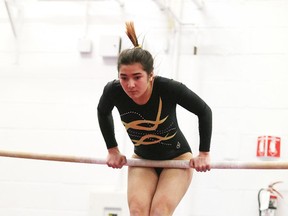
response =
{"points": [[10, 19], [199, 3]]}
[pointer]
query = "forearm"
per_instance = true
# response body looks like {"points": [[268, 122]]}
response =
{"points": [[107, 129], [205, 129]]}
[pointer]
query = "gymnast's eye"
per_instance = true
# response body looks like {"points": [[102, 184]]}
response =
{"points": [[124, 78]]}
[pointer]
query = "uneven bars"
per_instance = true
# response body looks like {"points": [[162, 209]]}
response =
{"points": [[148, 163]]}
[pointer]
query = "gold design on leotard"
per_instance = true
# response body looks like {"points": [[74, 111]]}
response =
{"points": [[137, 124], [149, 136], [149, 139]]}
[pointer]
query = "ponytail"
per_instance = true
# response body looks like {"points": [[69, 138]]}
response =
{"points": [[130, 31], [136, 54]]}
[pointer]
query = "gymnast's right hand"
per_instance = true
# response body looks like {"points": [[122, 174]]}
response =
{"points": [[115, 159]]}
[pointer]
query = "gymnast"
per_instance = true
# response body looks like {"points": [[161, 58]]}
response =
{"points": [[147, 107]]}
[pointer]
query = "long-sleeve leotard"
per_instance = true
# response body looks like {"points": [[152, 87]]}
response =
{"points": [[153, 127]]}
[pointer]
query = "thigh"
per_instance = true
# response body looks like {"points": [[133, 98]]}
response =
{"points": [[173, 182], [142, 183], [172, 186]]}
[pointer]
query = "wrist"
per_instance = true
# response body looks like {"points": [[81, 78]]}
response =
{"points": [[204, 153], [113, 150]]}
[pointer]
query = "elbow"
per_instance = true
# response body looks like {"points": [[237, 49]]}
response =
{"points": [[207, 111]]}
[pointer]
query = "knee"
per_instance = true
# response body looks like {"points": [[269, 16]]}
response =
{"points": [[138, 208], [162, 207], [160, 211]]}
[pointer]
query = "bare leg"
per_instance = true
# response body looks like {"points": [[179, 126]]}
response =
{"points": [[142, 184], [171, 187], [150, 195]]}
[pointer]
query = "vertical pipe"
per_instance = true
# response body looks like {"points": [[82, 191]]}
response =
{"points": [[199, 3], [177, 45], [10, 19], [14, 30]]}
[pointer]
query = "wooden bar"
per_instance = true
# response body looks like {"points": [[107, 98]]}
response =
{"points": [[148, 163]]}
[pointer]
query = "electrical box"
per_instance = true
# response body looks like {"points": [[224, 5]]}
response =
{"points": [[112, 211], [110, 45], [108, 203], [84, 45]]}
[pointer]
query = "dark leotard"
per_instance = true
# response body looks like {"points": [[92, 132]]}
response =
{"points": [[153, 127]]}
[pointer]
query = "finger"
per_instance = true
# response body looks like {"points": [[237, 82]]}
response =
{"points": [[113, 165], [191, 163], [196, 164], [204, 168], [123, 161]]}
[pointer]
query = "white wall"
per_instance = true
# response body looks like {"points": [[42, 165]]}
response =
{"points": [[49, 93]]}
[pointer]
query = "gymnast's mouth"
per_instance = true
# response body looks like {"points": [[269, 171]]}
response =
{"points": [[132, 92]]}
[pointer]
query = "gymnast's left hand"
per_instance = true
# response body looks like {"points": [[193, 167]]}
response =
{"points": [[201, 163]]}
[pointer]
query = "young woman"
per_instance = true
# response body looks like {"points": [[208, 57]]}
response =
{"points": [[147, 107]]}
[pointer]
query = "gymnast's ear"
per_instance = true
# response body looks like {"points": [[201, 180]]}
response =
{"points": [[151, 76]]}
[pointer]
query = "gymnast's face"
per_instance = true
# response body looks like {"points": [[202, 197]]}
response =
{"points": [[136, 82]]}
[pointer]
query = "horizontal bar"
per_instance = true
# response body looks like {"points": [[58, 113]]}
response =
{"points": [[148, 163]]}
